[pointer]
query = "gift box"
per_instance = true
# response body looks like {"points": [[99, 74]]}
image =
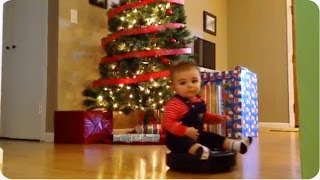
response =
{"points": [[148, 129], [212, 95], [83, 127], [142, 139], [240, 100], [141, 135]]}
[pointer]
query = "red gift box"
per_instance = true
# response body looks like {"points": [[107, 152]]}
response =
{"points": [[83, 127]]}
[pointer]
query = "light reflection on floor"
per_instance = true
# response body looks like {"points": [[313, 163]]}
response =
{"points": [[273, 155]]}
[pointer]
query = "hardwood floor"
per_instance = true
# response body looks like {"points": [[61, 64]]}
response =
{"points": [[272, 155]]}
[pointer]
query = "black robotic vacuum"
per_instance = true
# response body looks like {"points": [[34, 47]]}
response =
{"points": [[222, 161]]}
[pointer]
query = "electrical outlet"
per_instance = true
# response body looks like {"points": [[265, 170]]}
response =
{"points": [[74, 16]]}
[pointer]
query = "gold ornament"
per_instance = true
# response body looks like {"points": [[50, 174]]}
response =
{"points": [[121, 46]]}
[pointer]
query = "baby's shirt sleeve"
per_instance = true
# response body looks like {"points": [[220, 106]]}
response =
{"points": [[212, 118], [171, 116]]}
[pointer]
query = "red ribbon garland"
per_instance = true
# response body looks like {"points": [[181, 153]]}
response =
{"points": [[136, 31], [137, 79], [147, 53], [120, 9]]}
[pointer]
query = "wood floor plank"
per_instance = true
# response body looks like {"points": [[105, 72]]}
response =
{"points": [[272, 155]]}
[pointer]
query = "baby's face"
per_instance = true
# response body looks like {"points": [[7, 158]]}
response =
{"points": [[187, 83]]}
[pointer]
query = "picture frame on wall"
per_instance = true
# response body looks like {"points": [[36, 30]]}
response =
{"points": [[99, 3], [209, 23]]}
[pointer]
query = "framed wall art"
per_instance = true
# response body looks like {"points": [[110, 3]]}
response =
{"points": [[99, 3], [209, 23]]}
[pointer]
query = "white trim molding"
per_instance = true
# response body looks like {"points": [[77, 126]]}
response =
{"points": [[47, 137], [290, 64], [273, 125]]}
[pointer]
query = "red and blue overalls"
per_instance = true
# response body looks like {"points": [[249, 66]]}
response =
{"points": [[194, 117]]}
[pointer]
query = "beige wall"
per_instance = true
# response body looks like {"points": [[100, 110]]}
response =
{"points": [[194, 10], [257, 39], [79, 51]]}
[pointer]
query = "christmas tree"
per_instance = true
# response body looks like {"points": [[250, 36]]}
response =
{"points": [[147, 36]]}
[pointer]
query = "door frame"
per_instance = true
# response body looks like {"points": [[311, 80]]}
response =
{"points": [[291, 65], [42, 107]]}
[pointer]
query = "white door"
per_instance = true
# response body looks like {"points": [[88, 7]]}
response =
{"points": [[24, 69]]}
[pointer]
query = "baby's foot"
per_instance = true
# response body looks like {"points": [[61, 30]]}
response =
{"points": [[245, 143], [203, 153]]}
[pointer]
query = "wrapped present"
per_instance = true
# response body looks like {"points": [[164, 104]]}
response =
{"points": [[212, 95], [83, 127], [240, 100], [142, 135], [148, 129], [130, 138]]}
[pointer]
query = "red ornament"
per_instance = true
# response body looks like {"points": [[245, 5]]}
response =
{"points": [[165, 61], [169, 12], [173, 40]]}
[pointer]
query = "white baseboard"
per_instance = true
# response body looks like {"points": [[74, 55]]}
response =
{"points": [[274, 125], [47, 137]]}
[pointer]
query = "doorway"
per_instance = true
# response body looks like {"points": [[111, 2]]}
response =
{"points": [[23, 69]]}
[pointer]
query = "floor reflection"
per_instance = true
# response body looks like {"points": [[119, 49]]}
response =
{"points": [[125, 162], [273, 155], [251, 161]]}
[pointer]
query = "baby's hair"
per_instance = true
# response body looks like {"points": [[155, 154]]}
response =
{"points": [[182, 66]]}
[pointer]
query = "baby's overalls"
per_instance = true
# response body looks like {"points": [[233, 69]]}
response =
{"points": [[193, 118]]}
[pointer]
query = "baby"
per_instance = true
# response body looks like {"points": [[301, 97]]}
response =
{"points": [[185, 114]]}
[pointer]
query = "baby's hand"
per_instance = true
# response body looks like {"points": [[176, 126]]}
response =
{"points": [[225, 118], [192, 133]]}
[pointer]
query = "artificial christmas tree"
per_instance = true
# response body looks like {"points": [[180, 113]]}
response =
{"points": [[147, 36]]}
